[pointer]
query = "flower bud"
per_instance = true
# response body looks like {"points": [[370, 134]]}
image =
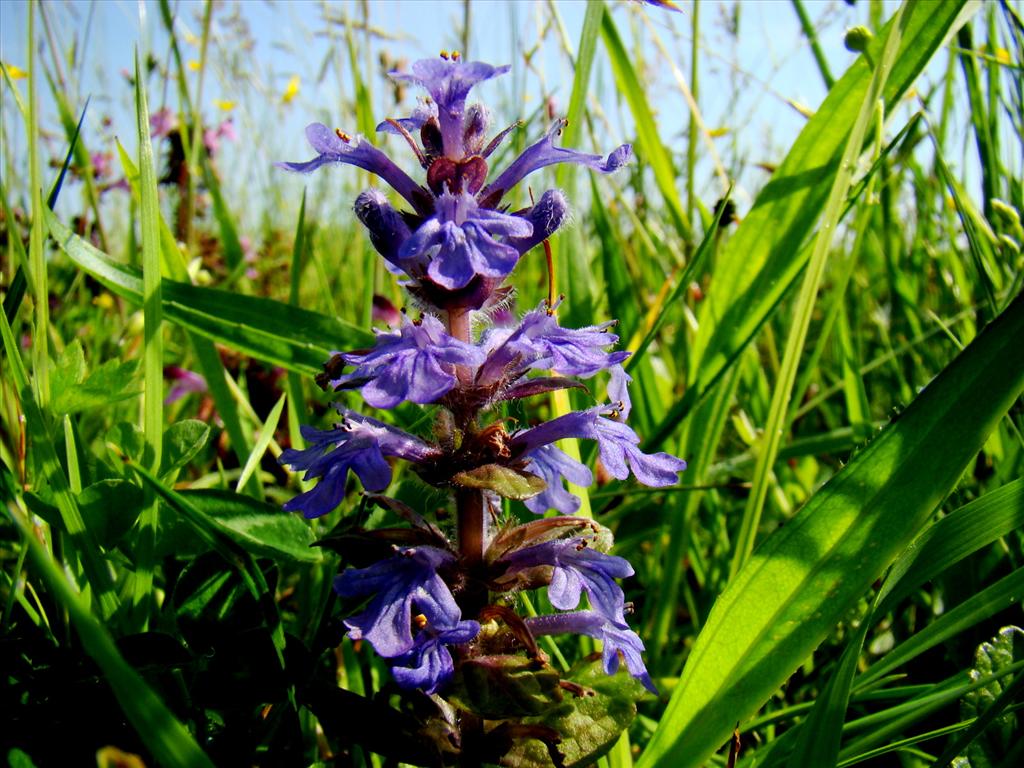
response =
{"points": [[857, 39]]}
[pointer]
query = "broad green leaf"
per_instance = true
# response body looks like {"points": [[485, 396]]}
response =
{"points": [[805, 576], [74, 390], [952, 538], [260, 528], [110, 508], [293, 338], [589, 725], [499, 687], [765, 255], [182, 441]]}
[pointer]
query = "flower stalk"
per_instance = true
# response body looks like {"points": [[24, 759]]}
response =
{"points": [[443, 613]]}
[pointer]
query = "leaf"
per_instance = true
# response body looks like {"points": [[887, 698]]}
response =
{"points": [[182, 441], [296, 339], [763, 258], [260, 528], [125, 442], [110, 508], [505, 481], [805, 576], [502, 686], [74, 390], [589, 724]]}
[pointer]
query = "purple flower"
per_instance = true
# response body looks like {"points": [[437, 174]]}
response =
{"points": [[428, 666], [459, 242], [337, 147], [387, 228], [540, 342], [412, 364], [552, 464], [549, 213], [162, 122], [185, 382], [615, 640], [617, 443], [407, 579], [358, 443], [578, 567], [618, 391], [449, 81], [545, 153]]}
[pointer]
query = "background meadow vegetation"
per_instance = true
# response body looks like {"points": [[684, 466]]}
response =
{"points": [[838, 352]]}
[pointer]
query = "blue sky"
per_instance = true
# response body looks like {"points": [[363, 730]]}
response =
{"points": [[746, 81]]}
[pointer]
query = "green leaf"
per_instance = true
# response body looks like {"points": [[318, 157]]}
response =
{"points": [[805, 576], [74, 390], [499, 687], [110, 509], [296, 339], [260, 528], [589, 724], [182, 441], [125, 442], [505, 481], [163, 734]]}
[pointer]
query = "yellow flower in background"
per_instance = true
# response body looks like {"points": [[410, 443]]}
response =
{"points": [[15, 72], [291, 90], [224, 104], [193, 65]]}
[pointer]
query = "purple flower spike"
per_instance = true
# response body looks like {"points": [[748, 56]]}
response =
{"points": [[358, 443], [552, 464], [460, 242], [412, 364], [545, 153], [428, 666], [618, 444], [406, 579], [615, 639], [578, 567], [335, 147], [449, 81]]}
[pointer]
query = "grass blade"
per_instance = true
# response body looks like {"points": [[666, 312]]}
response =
{"points": [[805, 576]]}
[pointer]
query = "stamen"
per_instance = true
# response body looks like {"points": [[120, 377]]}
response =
{"points": [[412, 142], [420, 621], [342, 135], [456, 55], [444, 54], [493, 145]]}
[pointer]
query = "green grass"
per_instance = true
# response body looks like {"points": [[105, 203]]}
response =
{"points": [[841, 367]]}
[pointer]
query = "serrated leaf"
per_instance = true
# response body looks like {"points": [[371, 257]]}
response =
{"points": [[505, 481], [74, 390], [589, 724], [182, 441]]}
